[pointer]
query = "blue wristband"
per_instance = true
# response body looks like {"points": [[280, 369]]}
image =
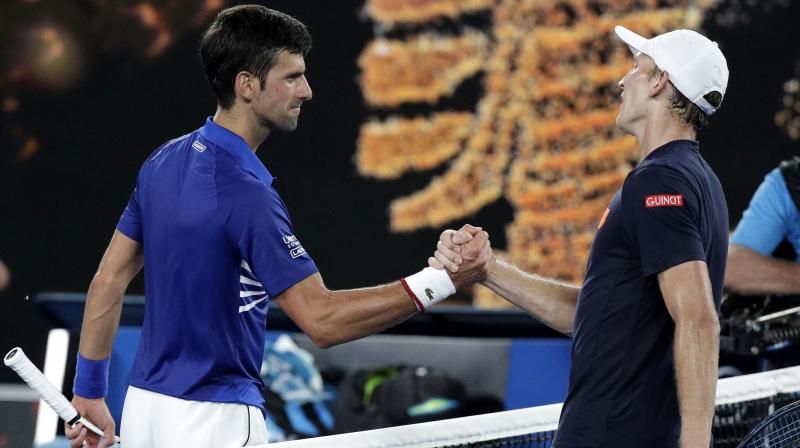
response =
{"points": [[91, 378]]}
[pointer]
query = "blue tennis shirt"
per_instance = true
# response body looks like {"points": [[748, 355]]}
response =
{"points": [[770, 217], [622, 391], [218, 244]]}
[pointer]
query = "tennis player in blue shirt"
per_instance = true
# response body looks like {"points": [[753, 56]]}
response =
{"points": [[216, 244], [645, 323]]}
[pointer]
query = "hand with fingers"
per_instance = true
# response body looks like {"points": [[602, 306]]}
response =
{"points": [[466, 254], [96, 411]]}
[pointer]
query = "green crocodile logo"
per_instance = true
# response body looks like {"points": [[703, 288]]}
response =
{"points": [[429, 293]]}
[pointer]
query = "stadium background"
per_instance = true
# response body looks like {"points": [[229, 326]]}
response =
{"points": [[88, 89]]}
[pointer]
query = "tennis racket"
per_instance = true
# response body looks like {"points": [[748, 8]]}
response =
{"points": [[779, 430], [17, 360]]}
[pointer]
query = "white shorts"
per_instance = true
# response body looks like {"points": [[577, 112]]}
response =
{"points": [[153, 420]]}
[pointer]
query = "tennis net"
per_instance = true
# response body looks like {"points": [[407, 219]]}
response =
{"points": [[742, 402]]}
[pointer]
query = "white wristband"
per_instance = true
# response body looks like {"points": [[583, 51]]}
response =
{"points": [[428, 287]]}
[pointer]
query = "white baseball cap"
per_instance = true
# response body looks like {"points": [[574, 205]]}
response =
{"points": [[696, 66]]}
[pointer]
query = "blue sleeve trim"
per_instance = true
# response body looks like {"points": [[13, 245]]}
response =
{"points": [[296, 276], [130, 231]]}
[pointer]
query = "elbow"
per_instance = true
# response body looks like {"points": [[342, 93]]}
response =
{"points": [[107, 283], [323, 338], [712, 326], [319, 337], [322, 330], [322, 343], [705, 324], [709, 322]]}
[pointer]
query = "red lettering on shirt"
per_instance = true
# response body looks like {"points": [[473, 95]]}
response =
{"points": [[663, 200]]}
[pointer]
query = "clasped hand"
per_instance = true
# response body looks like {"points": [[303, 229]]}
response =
{"points": [[466, 254]]}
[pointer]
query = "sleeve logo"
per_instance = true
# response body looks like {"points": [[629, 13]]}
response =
{"points": [[663, 200], [294, 246], [199, 147]]}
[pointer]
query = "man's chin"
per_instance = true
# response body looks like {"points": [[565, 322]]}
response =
{"points": [[621, 124], [283, 126], [289, 124], [289, 127]]}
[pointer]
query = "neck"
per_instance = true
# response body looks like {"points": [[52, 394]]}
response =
{"points": [[659, 129], [242, 124]]}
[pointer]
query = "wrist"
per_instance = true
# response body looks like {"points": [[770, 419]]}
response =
{"points": [[492, 273], [428, 287], [695, 438], [91, 378]]}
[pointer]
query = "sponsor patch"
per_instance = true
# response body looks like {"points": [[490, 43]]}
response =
{"points": [[294, 246], [663, 200], [198, 146]]}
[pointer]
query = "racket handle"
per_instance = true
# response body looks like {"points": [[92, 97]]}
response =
{"points": [[17, 360]]}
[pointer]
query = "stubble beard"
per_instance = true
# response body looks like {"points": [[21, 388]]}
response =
{"points": [[284, 124]]}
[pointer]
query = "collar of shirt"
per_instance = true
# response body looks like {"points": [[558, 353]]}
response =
{"points": [[238, 148], [691, 145]]}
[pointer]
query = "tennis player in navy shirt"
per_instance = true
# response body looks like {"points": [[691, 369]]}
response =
{"points": [[217, 244], [645, 322]]}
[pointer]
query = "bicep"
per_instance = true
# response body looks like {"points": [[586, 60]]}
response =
{"points": [[123, 259], [687, 293], [303, 301]]}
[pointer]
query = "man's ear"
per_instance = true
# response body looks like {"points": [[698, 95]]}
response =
{"points": [[659, 84], [246, 85]]}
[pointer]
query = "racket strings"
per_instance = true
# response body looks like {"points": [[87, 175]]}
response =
{"points": [[780, 431]]}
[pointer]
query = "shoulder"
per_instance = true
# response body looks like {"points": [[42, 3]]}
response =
{"points": [[167, 147], [775, 180], [656, 173], [774, 193], [657, 184], [238, 186], [773, 189], [156, 160]]}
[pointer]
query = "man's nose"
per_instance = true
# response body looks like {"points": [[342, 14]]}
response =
{"points": [[305, 92]]}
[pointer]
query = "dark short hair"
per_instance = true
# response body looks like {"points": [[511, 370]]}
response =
{"points": [[248, 38], [686, 110]]}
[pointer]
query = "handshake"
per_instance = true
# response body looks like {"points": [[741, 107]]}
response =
{"points": [[465, 254]]}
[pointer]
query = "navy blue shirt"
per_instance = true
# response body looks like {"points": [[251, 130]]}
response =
{"points": [[218, 244], [622, 391]]}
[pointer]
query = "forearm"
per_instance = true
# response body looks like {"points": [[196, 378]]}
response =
{"points": [[334, 317], [549, 301], [355, 313], [749, 272], [101, 317], [696, 358]]}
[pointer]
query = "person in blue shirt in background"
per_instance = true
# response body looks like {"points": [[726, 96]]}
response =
{"points": [[771, 217], [216, 243]]}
